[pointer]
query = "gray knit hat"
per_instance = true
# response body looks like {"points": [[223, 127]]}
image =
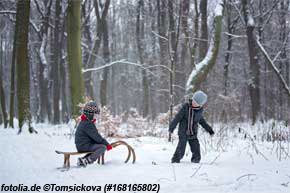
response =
{"points": [[199, 97]]}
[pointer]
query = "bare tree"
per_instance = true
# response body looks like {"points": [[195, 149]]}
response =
{"points": [[196, 30], [43, 74], [140, 38], [23, 76], [183, 62], [173, 45], [2, 94], [106, 56], [199, 74], [101, 25], [204, 31], [75, 54], [254, 79], [56, 63], [12, 78], [163, 46], [231, 25]]}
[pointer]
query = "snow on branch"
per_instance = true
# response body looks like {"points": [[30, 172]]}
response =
{"points": [[199, 74], [219, 8], [7, 12], [272, 65], [159, 36], [123, 61], [251, 21], [42, 50]]}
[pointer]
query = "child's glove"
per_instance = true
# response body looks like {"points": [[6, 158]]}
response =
{"points": [[211, 132], [109, 147]]}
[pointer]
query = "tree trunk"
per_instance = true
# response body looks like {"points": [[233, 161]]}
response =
{"points": [[23, 72], [173, 44], [204, 32], [75, 54], [12, 76], [285, 61], [140, 22], [254, 82], [199, 74], [44, 106], [163, 44], [2, 94], [183, 62], [154, 103], [64, 97], [56, 63], [89, 92], [230, 27], [63, 71], [106, 55], [114, 69], [196, 30], [101, 22]]}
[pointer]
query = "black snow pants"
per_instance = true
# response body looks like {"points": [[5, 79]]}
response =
{"points": [[98, 150], [180, 149]]}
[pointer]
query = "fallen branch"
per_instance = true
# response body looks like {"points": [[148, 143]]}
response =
{"points": [[246, 175], [212, 162], [196, 171]]}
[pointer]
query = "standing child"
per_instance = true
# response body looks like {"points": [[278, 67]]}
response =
{"points": [[188, 118]]}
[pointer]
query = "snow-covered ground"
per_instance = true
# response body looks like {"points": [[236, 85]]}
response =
{"points": [[229, 164]]}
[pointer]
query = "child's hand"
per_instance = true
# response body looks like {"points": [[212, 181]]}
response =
{"points": [[109, 147]]}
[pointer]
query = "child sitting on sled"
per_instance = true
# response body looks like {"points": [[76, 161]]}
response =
{"points": [[87, 137]]}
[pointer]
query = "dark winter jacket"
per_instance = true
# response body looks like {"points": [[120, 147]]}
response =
{"points": [[182, 118], [87, 135]]}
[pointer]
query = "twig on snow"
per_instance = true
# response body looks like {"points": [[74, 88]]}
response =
{"points": [[246, 175], [196, 171]]}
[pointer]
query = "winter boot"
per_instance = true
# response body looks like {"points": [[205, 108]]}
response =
{"points": [[174, 160], [195, 160], [84, 161]]}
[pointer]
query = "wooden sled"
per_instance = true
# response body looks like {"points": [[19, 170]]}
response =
{"points": [[101, 159]]}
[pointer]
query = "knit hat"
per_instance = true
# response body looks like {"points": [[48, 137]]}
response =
{"points": [[91, 107], [199, 97]]}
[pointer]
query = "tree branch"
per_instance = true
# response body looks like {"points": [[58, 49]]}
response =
{"points": [[8, 12], [272, 65], [199, 74], [125, 62]]}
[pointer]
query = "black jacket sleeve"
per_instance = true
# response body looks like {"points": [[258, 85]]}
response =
{"points": [[206, 126], [94, 134], [178, 117]]}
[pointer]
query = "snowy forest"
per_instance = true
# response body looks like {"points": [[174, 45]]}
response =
{"points": [[140, 61], [139, 55]]}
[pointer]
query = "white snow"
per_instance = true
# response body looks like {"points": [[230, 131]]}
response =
{"points": [[251, 21], [219, 8], [229, 163]]}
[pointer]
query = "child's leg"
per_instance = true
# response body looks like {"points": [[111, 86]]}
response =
{"points": [[195, 149], [180, 149], [98, 150]]}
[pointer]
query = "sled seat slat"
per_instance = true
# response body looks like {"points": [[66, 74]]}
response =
{"points": [[66, 155]]}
